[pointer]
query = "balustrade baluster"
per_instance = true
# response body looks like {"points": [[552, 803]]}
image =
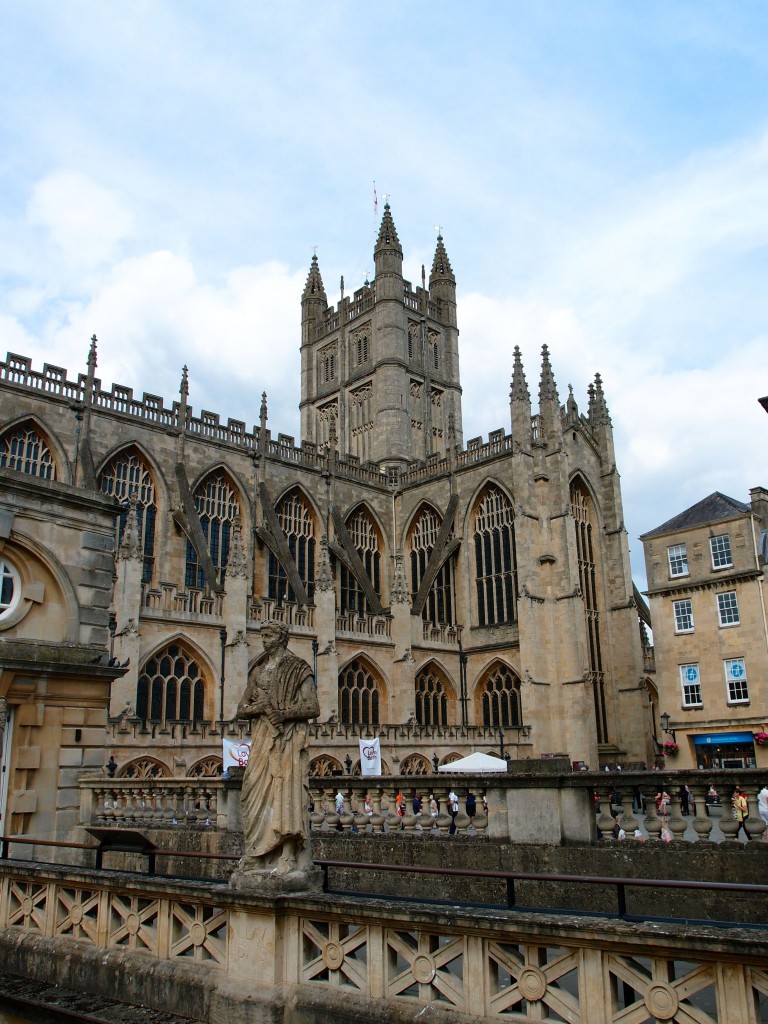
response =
{"points": [[393, 821], [627, 819], [443, 819], [676, 823], [702, 823], [409, 819], [347, 818], [653, 823], [754, 823], [378, 817], [329, 806], [605, 820], [316, 815]]}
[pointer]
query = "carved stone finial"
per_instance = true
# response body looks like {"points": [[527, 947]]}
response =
{"points": [[237, 563], [601, 415], [400, 593], [92, 353], [184, 386], [130, 545], [519, 390], [547, 386], [324, 576]]}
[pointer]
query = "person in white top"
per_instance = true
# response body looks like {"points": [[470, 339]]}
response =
{"points": [[762, 807]]}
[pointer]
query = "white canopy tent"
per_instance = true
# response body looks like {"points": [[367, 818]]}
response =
{"points": [[477, 763]]}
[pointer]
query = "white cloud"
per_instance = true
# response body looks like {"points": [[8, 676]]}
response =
{"points": [[84, 220]]}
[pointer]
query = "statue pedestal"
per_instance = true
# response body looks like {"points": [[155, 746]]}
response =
{"points": [[271, 882]]}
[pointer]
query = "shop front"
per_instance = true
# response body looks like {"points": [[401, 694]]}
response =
{"points": [[725, 750]]}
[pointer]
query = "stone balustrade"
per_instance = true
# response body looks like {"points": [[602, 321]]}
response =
{"points": [[213, 954], [157, 803], [385, 817], [524, 806]]}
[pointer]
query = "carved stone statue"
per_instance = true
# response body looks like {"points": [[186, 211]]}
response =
{"points": [[281, 698]]}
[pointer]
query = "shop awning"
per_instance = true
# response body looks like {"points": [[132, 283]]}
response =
{"points": [[725, 737]]}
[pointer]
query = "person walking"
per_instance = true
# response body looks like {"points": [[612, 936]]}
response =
{"points": [[471, 807], [741, 811], [762, 807], [453, 807]]}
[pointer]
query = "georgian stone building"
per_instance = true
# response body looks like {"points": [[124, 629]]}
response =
{"points": [[706, 586], [451, 596]]}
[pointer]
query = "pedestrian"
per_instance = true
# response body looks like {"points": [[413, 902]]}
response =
{"points": [[740, 811], [453, 807], [762, 807], [684, 793], [471, 807], [434, 810], [662, 802], [367, 805], [416, 804], [339, 810], [400, 803]]}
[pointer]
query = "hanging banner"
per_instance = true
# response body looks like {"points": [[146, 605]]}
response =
{"points": [[235, 754], [370, 757]]}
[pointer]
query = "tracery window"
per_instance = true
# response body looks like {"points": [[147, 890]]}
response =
{"points": [[500, 699], [415, 764], [583, 514], [145, 768], [365, 538], [359, 696], [361, 348], [327, 420], [217, 508], [440, 604], [171, 687], [495, 559], [431, 698], [207, 768], [327, 365], [24, 449], [298, 524], [324, 767], [125, 475]]}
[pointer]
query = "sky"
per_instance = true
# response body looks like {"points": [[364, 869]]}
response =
{"points": [[599, 173]]}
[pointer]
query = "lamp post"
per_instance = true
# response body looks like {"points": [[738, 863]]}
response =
{"points": [[664, 719], [501, 743]]}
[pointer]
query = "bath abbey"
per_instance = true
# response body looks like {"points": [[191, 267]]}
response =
{"points": [[451, 595]]}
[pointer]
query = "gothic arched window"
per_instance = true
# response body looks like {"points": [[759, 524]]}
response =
{"points": [[495, 560], [500, 698], [583, 512], [298, 524], [24, 449], [431, 698], [217, 507], [440, 603], [365, 538], [171, 687], [359, 695], [123, 476]]}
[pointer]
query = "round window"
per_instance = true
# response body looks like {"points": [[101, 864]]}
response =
{"points": [[10, 588]]}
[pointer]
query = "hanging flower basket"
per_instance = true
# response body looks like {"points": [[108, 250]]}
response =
{"points": [[761, 738], [671, 748]]}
